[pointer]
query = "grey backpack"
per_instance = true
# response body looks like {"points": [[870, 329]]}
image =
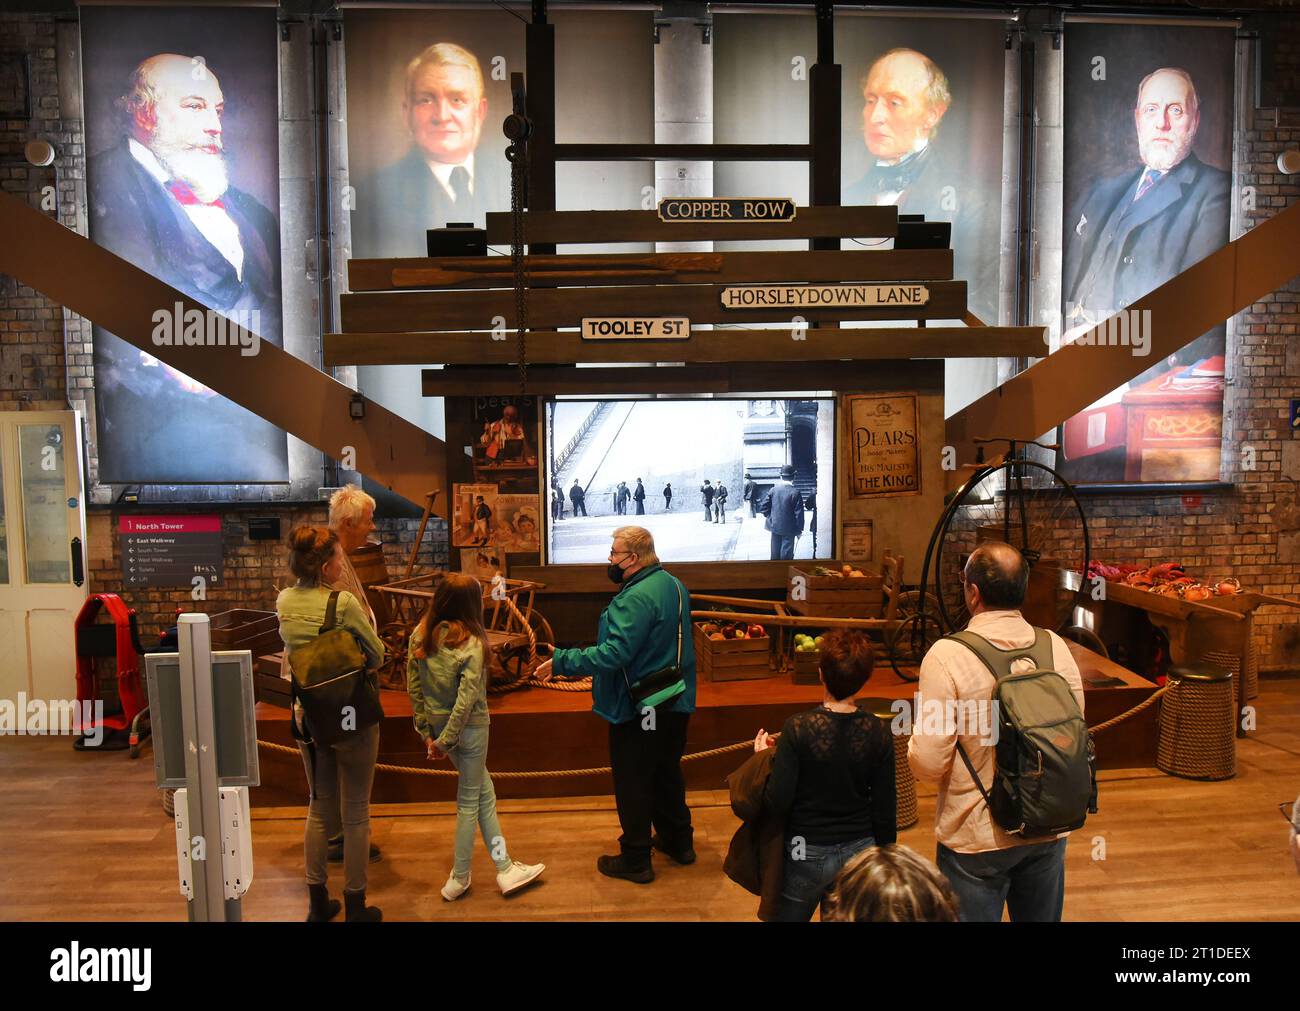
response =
{"points": [[1045, 778]]}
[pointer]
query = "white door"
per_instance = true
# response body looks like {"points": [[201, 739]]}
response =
{"points": [[42, 553]]}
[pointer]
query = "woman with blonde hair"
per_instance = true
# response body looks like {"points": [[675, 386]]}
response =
{"points": [[337, 772], [446, 676], [891, 884]]}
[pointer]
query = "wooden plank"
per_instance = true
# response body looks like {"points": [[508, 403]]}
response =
{"points": [[285, 390], [702, 576], [404, 311], [547, 347], [682, 152], [645, 226], [822, 266], [759, 377]]}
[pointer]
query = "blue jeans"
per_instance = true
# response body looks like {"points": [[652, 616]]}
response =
{"points": [[806, 880], [476, 802], [1030, 880]]}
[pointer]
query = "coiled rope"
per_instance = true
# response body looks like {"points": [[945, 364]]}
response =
{"points": [[528, 680]]}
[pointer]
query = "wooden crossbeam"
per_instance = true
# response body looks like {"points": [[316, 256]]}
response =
{"points": [[1200, 298], [555, 308], [273, 384], [733, 378], [818, 266], [747, 345], [644, 226]]}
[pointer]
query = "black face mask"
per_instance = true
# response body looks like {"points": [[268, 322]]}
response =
{"points": [[614, 570]]}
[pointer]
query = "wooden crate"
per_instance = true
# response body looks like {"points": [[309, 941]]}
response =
{"points": [[731, 659], [835, 596], [268, 686], [805, 670], [258, 631]]}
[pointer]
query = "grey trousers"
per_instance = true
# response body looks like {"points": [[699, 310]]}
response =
{"points": [[341, 776]]}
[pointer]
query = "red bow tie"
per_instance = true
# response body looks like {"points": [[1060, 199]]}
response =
{"points": [[182, 192]]}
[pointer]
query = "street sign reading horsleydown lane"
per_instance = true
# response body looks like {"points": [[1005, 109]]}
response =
{"points": [[830, 296]]}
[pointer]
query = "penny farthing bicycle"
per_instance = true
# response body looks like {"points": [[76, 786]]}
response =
{"points": [[1020, 501]]}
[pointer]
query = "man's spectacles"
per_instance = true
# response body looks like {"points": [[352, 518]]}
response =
{"points": [[625, 554]]}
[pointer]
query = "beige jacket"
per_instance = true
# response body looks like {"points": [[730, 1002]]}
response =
{"points": [[950, 671]]}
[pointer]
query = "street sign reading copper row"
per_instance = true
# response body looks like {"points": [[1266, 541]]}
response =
{"points": [[726, 209], [830, 296], [617, 328]]}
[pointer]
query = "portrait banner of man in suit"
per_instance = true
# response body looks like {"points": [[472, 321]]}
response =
{"points": [[182, 181], [1148, 154]]}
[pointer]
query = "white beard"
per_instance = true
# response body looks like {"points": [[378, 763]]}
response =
{"points": [[204, 173], [1163, 157]]}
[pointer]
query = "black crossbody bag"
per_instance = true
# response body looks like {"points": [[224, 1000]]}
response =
{"points": [[662, 685]]}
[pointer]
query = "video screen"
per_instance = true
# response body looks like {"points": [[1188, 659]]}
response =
{"points": [[736, 479]]}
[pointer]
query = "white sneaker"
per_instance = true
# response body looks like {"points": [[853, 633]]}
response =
{"points": [[454, 888], [518, 876]]}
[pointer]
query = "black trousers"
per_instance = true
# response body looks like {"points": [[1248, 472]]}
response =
{"points": [[649, 789]]}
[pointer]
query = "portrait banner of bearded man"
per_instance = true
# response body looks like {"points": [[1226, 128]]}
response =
{"points": [[162, 195]]}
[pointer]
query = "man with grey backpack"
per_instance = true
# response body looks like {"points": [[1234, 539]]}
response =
{"points": [[1012, 755]]}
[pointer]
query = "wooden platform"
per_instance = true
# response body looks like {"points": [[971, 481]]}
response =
{"points": [[539, 729]]}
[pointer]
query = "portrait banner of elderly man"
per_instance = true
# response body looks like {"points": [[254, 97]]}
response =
{"points": [[926, 138], [1146, 196], [453, 169], [182, 178]]}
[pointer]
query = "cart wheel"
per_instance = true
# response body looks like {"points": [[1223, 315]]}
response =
{"points": [[1086, 638], [909, 603], [910, 641]]}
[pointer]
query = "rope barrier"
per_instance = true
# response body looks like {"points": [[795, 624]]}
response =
{"points": [[697, 756], [1150, 700], [543, 774]]}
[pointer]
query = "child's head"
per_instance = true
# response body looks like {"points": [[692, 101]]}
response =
{"points": [[458, 601], [890, 884], [846, 662]]}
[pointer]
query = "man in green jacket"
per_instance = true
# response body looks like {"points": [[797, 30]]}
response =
{"points": [[640, 633]]}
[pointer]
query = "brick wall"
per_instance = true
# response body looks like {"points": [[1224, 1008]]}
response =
{"points": [[255, 571]]}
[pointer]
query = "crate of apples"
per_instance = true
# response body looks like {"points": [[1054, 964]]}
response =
{"points": [[719, 631]]}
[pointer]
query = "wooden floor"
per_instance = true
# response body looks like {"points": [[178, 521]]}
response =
{"points": [[84, 838]]}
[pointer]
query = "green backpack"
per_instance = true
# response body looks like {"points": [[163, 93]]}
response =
{"points": [[1045, 779]]}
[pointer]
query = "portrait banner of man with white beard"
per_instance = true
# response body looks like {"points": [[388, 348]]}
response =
{"points": [[182, 181], [1148, 153]]}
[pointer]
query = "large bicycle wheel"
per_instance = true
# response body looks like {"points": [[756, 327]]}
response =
{"points": [[1032, 508]]}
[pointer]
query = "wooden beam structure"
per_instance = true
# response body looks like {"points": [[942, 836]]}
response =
{"points": [[1202, 297], [551, 347], [273, 384], [759, 377], [644, 226]]}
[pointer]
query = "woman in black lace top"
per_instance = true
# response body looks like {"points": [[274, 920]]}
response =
{"points": [[832, 779]]}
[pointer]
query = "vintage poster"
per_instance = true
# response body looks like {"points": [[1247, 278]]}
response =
{"points": [[517, 525], [884, 446], [474, 519], [483, 563], [857, 541]]}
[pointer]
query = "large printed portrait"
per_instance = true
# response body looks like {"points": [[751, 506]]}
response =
{"points": [[182, 121], [1148, 157], [923, 106], [427, 92]]}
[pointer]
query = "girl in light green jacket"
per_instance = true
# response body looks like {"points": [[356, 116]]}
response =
{"points": [[446, 676]]}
